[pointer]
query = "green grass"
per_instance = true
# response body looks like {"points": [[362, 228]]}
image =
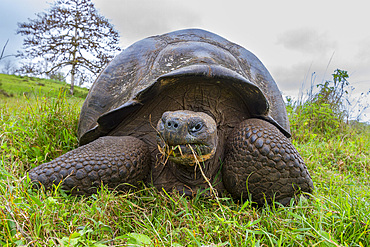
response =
{"points": [[39, 129], [14, 86]]}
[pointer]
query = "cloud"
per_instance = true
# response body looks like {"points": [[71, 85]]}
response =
{"points": [[363, 51], [306, 40], [299, 78], [139, 19], [10, 14], [291, 79]]}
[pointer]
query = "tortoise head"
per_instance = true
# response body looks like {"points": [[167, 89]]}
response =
{"points": [[187, 137]]}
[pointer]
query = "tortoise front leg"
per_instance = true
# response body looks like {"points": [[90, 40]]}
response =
{"points": [[262, 162], [112, 160]]}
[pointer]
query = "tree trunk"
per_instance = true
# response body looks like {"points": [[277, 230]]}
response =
{"points": [[74, 62], [73, 72]]}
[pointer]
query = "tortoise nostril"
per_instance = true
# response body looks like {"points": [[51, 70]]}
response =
{"points": [[171, 124]]}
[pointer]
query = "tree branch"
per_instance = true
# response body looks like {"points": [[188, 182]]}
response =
{"points": [[72, 32]]}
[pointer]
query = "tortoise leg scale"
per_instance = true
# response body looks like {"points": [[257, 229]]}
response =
{"points": [[262, 162], [112, 160]]}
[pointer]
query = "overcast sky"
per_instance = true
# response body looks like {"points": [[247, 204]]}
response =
{"points": [[298, 41]]}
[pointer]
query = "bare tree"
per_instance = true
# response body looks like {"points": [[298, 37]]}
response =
{"points": [[71, 34]]}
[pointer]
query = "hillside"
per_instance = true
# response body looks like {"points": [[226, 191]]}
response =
{"points": [[14, 86]]}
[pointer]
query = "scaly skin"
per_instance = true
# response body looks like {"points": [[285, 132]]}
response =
{"points": [[110, 160], [259, 153]]}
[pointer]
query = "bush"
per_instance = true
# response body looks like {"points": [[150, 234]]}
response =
{"points": [[312, 120], [324, 114], [57, 76]]}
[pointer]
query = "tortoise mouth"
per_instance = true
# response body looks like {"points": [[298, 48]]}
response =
{"points": [[187, 154], [187, 137]]}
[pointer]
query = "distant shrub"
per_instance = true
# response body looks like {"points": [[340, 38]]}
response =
{"points": [[311, 120], [324, 114], [57, 76]]}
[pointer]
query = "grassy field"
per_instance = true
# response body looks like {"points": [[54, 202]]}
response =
{"points": [[35, 130], [15, 86]]}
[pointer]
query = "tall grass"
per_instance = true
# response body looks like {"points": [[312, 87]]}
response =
{"points": [[35, 131]]}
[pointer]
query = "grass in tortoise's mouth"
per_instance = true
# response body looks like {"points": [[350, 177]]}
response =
{"points": [[187, 154]]}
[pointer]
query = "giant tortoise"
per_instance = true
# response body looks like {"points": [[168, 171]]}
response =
{"points": [[185, 111]]}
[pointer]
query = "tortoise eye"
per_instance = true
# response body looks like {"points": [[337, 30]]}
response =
{"points": [[196, 127]]}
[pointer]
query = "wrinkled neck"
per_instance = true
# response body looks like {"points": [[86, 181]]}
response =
{"points": [[191, 175]]}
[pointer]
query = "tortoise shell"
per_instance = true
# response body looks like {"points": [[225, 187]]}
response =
{"points": [[137, 76]]}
